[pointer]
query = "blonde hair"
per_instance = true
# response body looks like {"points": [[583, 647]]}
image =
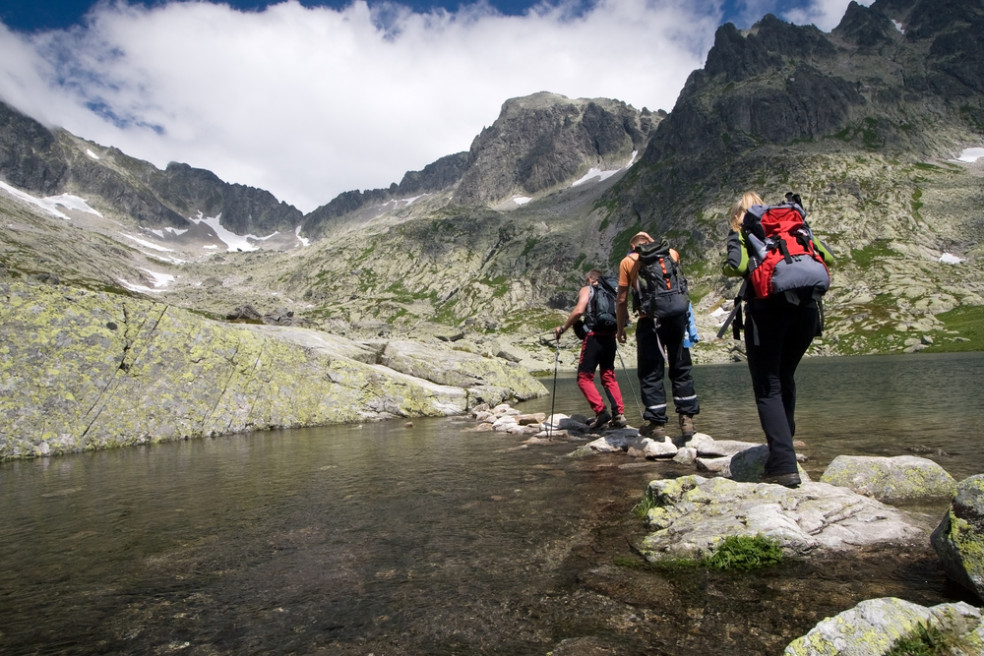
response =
{"points": [[741, 206]]}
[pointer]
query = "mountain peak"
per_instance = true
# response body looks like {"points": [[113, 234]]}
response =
{"points": [[546, 140]]}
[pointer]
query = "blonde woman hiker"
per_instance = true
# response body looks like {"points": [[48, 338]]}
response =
{"points": [[779, 324]]}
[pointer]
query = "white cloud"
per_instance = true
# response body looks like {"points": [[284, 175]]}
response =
{"points": [[307, 103], [825, 14]]}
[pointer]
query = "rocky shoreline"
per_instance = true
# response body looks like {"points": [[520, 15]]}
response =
{"points": [[846, 511], [85, 370]]}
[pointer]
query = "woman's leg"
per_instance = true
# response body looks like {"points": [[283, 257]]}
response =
{"points": [[765, 332], [804, 321]]}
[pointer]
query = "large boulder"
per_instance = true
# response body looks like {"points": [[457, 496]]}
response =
{"points": [[874, 626], [898, 479], [959, 539], [83, 370], [691, 514]]}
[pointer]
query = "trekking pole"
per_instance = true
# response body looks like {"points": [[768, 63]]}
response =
{"points": [[734, 310], [553, 395], [629, 379]]}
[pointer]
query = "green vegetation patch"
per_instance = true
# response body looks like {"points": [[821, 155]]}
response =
{"points": [[968, 322], [925, 641], [917, 203], [543, 320], [869, 132], [866, 256], [744, 552]]}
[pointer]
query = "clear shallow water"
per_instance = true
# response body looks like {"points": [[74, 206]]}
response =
{"points": [[432, 539], [920, 404]]}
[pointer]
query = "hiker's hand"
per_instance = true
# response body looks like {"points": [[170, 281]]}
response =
{"points": [[558, 331], [620, 336]]}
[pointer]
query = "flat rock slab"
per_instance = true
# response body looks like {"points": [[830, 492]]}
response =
{"points": [[691, 514]]}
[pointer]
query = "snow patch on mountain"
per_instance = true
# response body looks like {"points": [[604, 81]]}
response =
{"points": [[51, 204], [601, 176], [232, 241]]}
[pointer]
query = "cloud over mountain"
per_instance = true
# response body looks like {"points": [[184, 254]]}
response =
{"points": [[310, 102]]}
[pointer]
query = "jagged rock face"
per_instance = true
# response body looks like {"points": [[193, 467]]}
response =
{"points": [[537, 144], [542, 141], [868, 30], [243, 209], [437, 176], [117, 182], [894, 77], [30, 157]]}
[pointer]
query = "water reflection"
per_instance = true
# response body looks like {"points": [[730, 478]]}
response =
{"points": [[432, 539]]}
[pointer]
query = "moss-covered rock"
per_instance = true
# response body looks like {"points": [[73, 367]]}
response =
{"points": [[690, 515], [85, 370], [959, 539], [897, 479], [875, 626]]}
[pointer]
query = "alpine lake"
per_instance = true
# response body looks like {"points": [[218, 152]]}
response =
{"points": [[428, 538]]}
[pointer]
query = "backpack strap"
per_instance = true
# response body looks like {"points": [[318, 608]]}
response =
{"points": [[780, 243], [603, 282]]}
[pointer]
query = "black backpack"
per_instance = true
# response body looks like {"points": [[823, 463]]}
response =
{"points": [[600, 315], [662, 287]]}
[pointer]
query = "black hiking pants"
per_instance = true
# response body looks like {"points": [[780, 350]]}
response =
{"points": [[652, 366], [777, 334]]}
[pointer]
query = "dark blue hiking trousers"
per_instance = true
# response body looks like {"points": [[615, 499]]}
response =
{"points": [[652, 367], [777, 334]]}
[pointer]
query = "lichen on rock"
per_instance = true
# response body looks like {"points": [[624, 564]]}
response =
{"points": [[85, 370]]}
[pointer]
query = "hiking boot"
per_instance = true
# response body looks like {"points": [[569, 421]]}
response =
{"points": [[687, 425], [618, 421], [786, 480], [653, 430], [600, 420]]}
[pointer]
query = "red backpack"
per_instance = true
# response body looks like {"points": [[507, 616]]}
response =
{"points": [[783, 254]]}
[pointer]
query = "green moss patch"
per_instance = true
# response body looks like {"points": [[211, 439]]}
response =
{"points": [[925, 641], [744, 552]]}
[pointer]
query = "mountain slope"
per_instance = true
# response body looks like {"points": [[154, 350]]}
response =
{"points": [[865, 122], [51, 162]]}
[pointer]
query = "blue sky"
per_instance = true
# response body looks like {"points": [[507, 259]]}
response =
{"points": [[32, 15], [308, 99]]}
